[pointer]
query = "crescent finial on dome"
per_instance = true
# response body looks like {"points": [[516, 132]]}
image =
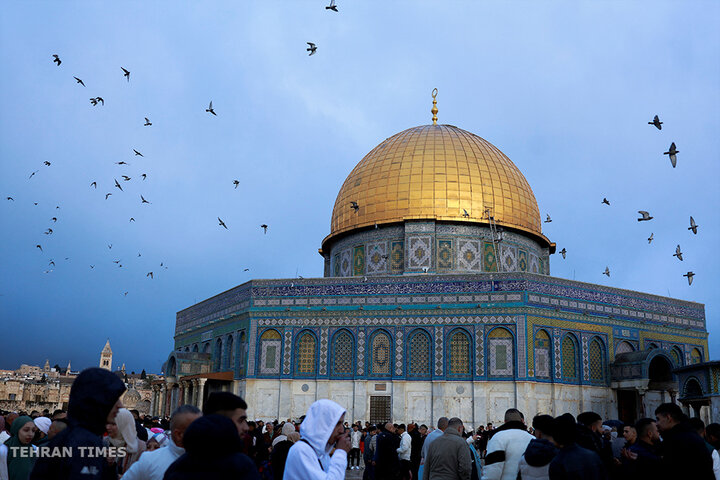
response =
{"points": [[434, 109]]}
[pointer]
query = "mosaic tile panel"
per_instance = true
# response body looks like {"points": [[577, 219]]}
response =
{"points": [[398, 352], [508, 258], [345, 263], [459, 354], [479, 354], [444, 255], [585, 360], [377, 258], [359, 260], [323, 351], [501, 360], [542, 354], [489, 258], [468, 255], [270, 357], [438, 350], [342, 354], [596, 360], [556, 350], [397, 257], [361, 352], [419, 252], [336, 265], [569, 358], [522, 346], [534, 264], [522, 261], [380, 354], [287, 360], [306, 354]]}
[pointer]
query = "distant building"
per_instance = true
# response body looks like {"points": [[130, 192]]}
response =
{"points": [[106, 357]]}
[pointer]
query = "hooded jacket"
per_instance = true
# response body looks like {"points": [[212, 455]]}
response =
{"points": [[153, 465], [535, 462], [92, 397], [212, 451], [504, 450], [310, 457]]}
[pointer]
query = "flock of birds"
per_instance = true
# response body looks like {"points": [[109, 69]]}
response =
{"points": [[645, 215]]}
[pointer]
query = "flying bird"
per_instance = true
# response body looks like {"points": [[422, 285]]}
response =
{"points": [[38, 246], [51, 263], [57, 60], [143, 200], [107, 195], [693, 226], [264, 227], [246, 270], [645, 216], [47, 163], [126, 73], [656, 121], [101, 100], [118, 185], [563, 252], [79, 81], [548, 219], [94, 101], [312, 48], [650, 238], [11, 198], [92, 266], [144, 175], [678, 253], [49, 231], [117, 261], [607, 271], [132, 219], [210, 109], [672, 152], [125, 294], [138, 154], [33, 174], [689, 276], [110, 246], [150, 274], [606, 201], [465, 213], [126, 178], [236, 183], [354, 205], [94, 184], [121, 163], [222, 224], [332, 6], [147, 122]]}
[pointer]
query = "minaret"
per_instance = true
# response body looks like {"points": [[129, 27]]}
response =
{"points": [[47, 365], [106, 357]]}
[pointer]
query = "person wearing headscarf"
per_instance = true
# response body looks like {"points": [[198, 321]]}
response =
{"points": [[43, 426], [278, 457], [156, 441], [124, 436], [16, 454], [94, 400], [287, 429], [322, 433]]}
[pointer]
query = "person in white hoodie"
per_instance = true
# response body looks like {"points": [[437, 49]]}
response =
{"points": [[404, 451], [506, 447], [153, 464], [355, 437], [322, 450]]}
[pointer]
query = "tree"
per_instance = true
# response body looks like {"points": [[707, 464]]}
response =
{"points": [[143, 375]]}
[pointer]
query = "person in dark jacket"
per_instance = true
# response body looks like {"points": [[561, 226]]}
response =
{"points": [[416, 448], [683, 451], [387, 463], [535, 462], [94, 401], [641, 460], [590, 436], [212, 450], [573, 462]]}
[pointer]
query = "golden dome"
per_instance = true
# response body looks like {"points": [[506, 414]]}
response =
{"points": [[436, 172]]}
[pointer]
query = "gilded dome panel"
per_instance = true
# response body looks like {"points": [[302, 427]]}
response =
{"points": [[435, 172]]}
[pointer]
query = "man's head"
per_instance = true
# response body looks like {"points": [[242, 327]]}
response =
{"points": [[564, 430], [9, 419], [338, 431], [712, 433], [355, 427], [411, 427], [389, 427], [57, 426], [697, 425], [231, 406], [668, 415], [442, 423], [630, 433], [400, 429], [423, 429], [591, 420], [456, 424], [59, 414], [514, 415], [647, 431], [180, 419], [543, 426]]}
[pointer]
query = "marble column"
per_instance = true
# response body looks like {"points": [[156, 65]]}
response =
{"points": [[186, 392], [195, 392], [201, 391], [163, 400]]}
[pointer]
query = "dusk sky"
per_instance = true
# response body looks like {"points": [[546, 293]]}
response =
{"points": [[564, 89]]}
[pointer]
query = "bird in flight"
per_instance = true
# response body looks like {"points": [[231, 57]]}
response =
{"points": [[332, 6], [150, 274], [47, 163], [656, 121], [607, 271], [94, 101], [138, 154], [606, 201], [79, 81], [689, 276], [548, 219], [117, 261], [33, 174], [645, 216], [92, 266], [126, 178], [126, 73], [132, 219], [650, 238], [678, 253], [101, 100], [110, 246], [563, 252], [147, 122], [354, 205], [222, 224], [11, 198], [125, 294], [236, 183], [312, 49], [121, 163], [210, 109], [49, 231], [264, 227], [143, 200], [57, 60], [246, 270], [672, 152], [107, 195], [693, 226], [465, 213], [144, 175], [51, 263], [40, 247], [118, 185]]}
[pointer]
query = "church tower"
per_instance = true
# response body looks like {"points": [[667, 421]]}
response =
{"points": [[106, 357]]}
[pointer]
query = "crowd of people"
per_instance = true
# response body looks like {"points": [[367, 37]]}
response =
{"points": [[99, 439]]}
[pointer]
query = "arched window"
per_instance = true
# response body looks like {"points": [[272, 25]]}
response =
{"points": [[270, 347], [419, 354], [242, 348], [542, 354], [459, 354], [695, 356], [217, 355], [206, 348], [306, 354], [195, 348], [677, 356], [624, 347], [596, 361], [230, 354], [342, 363], [501, 353], [652, 346], [381, 354], [569, 358]]}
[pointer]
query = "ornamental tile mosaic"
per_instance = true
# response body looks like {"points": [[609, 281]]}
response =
{"points": [[556, 351], [397, 257], [361, 352], [398, 352], [419, 252], [585, 359], [342, 362], [419, 357], [522, 261], [534, 264], [306, 354], [380, 354], [438, 350], [508, 256], [468, 255], [359, 260], [489, 257], [377, 258], [459, 354], [569, 358], [522, 346], [597, 361], [270, 357], [345, 263], [479, 354], [336, 265], [444, 255], [287, 360], [323, 351], [542, 354], [501, 357]]}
